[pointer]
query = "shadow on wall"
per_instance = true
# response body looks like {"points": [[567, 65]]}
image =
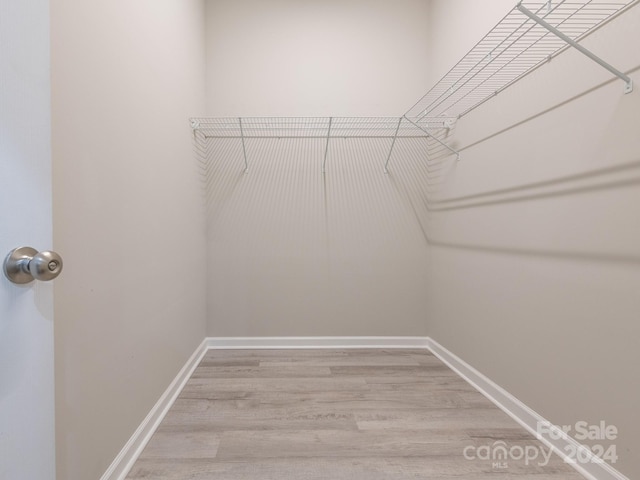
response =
{"points": [[418, 172], [431, 203], [293, 251]]}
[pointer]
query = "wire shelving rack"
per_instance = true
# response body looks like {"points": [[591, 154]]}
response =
{"points": [[324, 128], [531, 34]]}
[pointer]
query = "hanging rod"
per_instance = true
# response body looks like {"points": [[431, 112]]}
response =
{"points": [[313, 137], [529, 35]]}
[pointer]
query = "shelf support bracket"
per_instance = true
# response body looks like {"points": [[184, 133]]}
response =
{"points": [[195, 125], [326, 148], [628, 81], [455, 152], [395, 137], [244, 148]]}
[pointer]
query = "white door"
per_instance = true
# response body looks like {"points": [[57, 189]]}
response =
{"points": [[26, 312]]}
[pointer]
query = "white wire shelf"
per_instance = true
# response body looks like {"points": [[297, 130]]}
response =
{"points": [[529, 35], [311, 127], [324, 128]]}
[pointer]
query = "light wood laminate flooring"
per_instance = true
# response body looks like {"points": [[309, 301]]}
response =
{"points": [[364, 414]]}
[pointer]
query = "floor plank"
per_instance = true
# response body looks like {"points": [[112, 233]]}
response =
{"points": [[365, 414]]}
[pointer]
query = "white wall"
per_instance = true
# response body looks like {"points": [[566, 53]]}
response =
{"points": [[292, 252], [26, 311], [538, 287], [130, 306], [315, 57]]}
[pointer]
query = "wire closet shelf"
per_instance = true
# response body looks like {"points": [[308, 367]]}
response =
{"points": [[323, 128], [311, 127], [530, 34]]}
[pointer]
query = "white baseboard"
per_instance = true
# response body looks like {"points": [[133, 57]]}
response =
{"points": [[279, 343], [525, 416], [517, 410], [121, 465]]}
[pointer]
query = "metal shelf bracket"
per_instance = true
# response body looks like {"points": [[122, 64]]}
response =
{"points": [[393, 143], [455, 152], [195, 125], [244, 148], [628, 81], [326, 148]]}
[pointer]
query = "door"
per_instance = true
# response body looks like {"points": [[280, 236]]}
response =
{"points": [[26, 312]]}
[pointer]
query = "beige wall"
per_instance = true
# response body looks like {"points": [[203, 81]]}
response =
{"points": [[538, 287], [130, 306], [455, 27], [315, 57], [292, 252]]}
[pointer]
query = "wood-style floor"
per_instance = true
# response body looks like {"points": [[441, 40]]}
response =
{"points": [[332, 415]]}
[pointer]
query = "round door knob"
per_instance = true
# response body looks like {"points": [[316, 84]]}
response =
{"points": [[45, 266], [25, 264]]}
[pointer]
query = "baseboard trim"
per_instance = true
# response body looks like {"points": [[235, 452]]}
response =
{"points": [[521, 413], [279, 343], [123, 463], [525, 416]]}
